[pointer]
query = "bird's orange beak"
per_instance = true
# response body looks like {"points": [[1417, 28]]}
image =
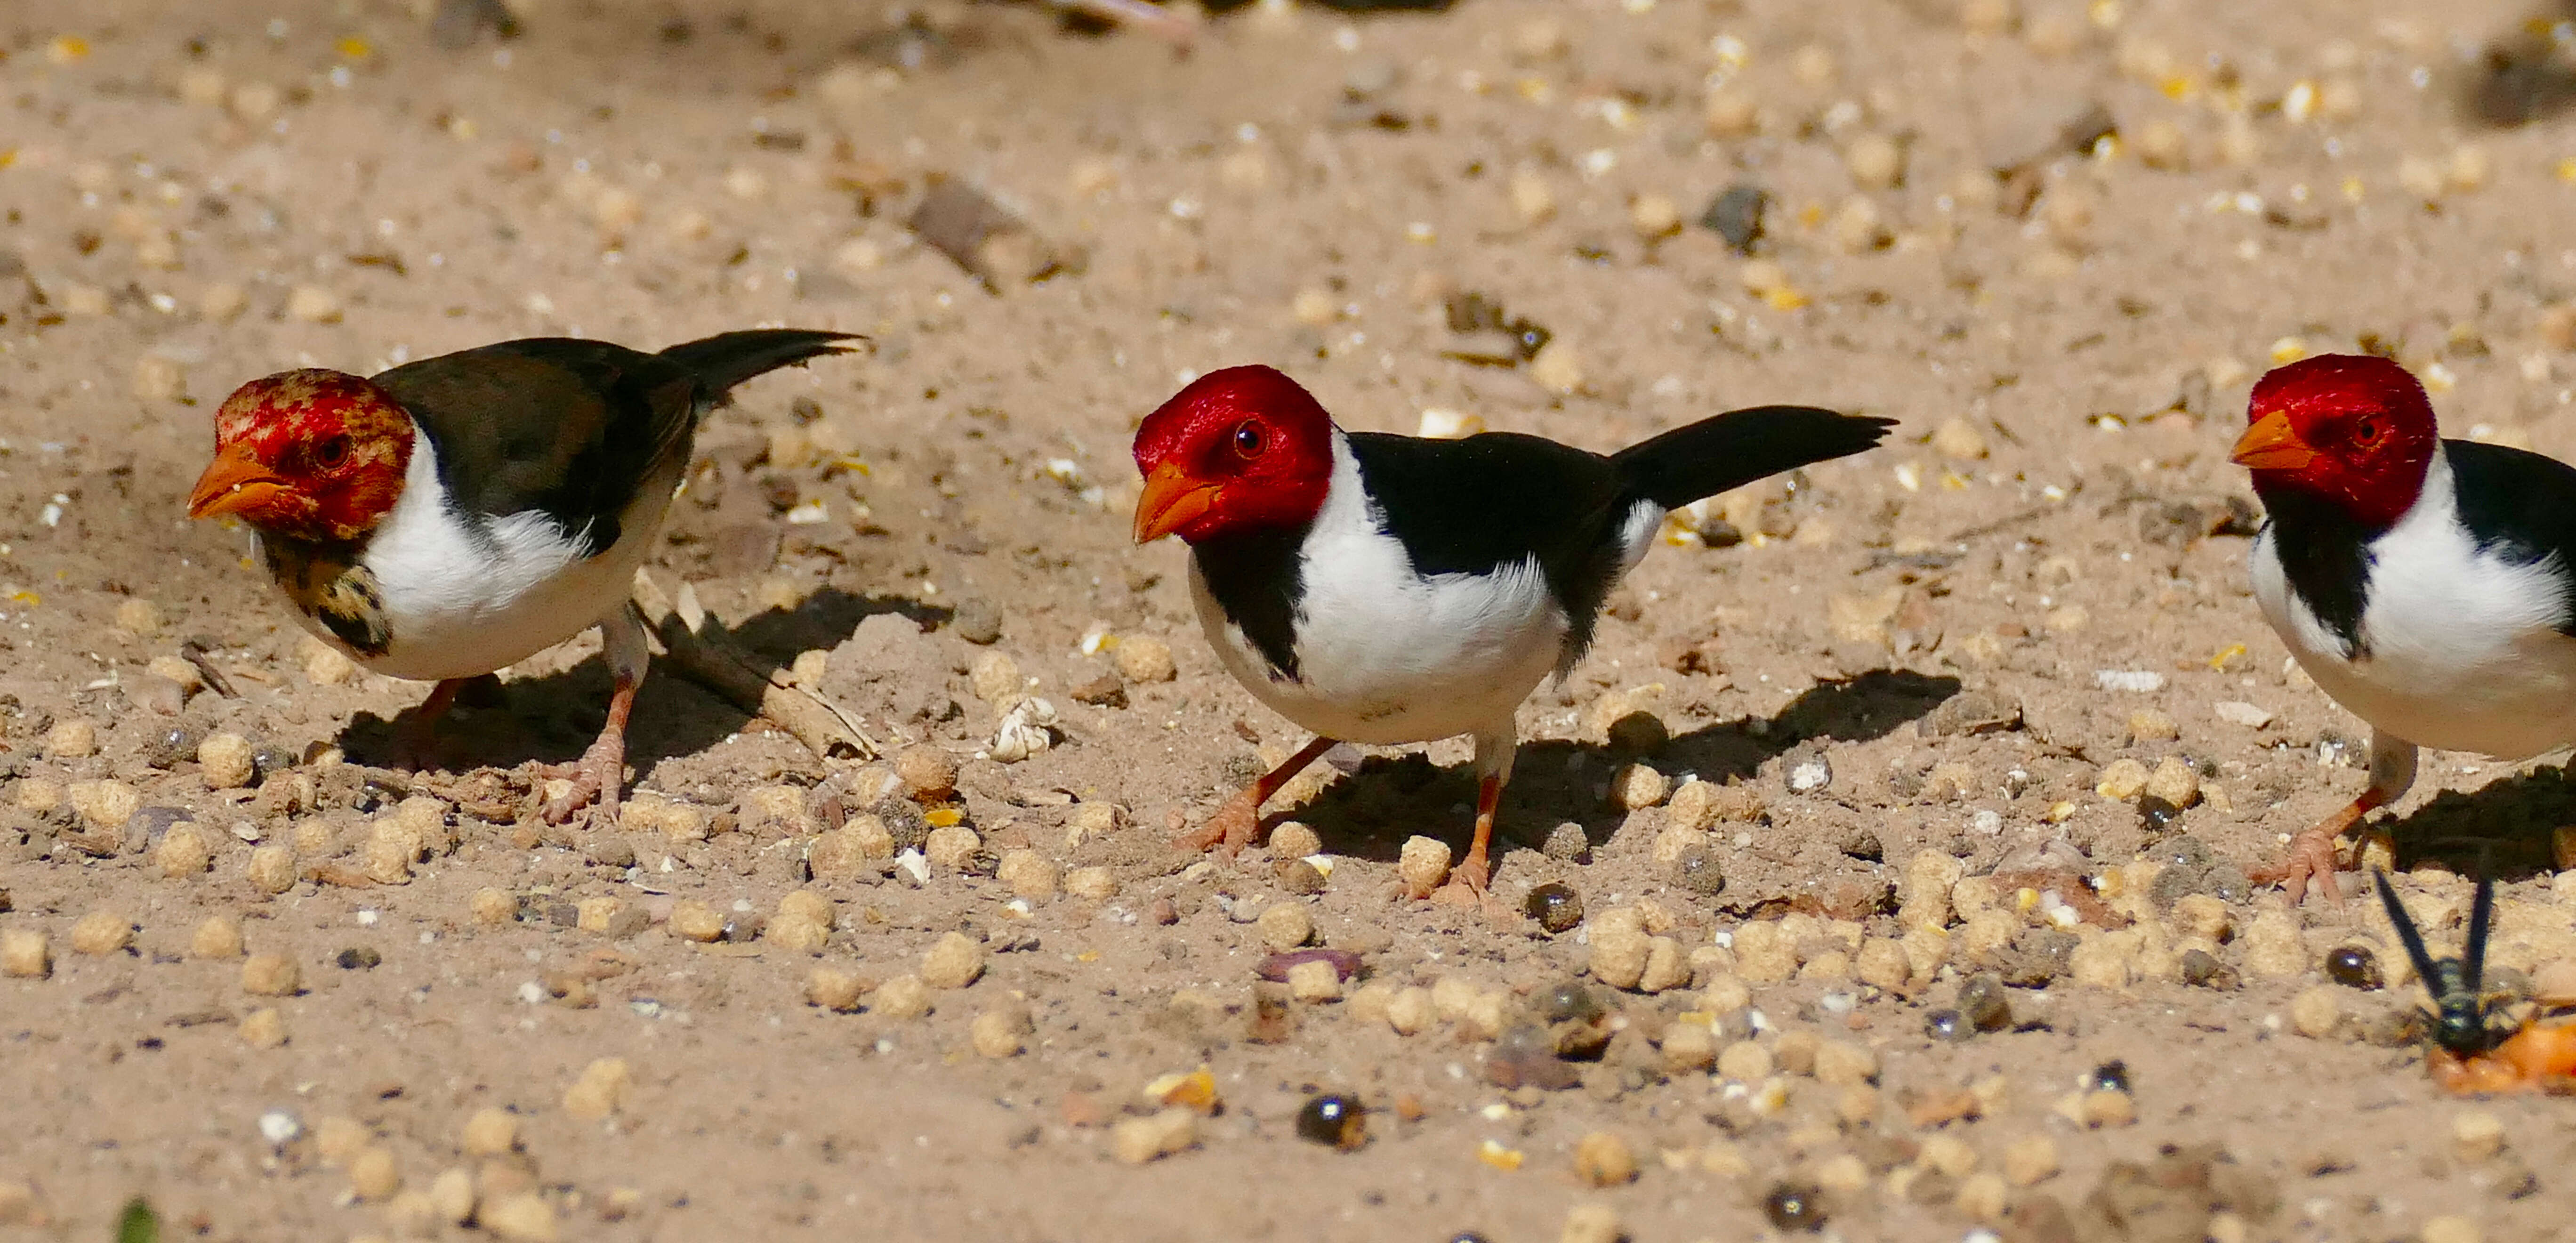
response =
{"points": [[1172, 500], [2272, 444], [234, 483]]}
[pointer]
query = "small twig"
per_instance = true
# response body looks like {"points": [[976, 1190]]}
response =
{"points": [[706, 658], [195, 654]]}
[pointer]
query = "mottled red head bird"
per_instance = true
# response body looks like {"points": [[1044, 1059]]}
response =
{"points": [[2428, 585], [461, 513], [1385, 589]]}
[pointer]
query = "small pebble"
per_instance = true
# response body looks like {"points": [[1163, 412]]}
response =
{"points": [[2122, 780], [1984, 1003], [978, 621], [1285, 926], [1027, 874], [603, 1089], [954, 961], [2202, 969], [1094, 884], [1295, 840], [1637, 786], [1556, 907], [692, 920], [996, 680], [903, 997], [2104, 1107]]}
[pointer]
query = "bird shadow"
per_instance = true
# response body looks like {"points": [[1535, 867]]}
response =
{"points": [[2527, 75], [553, 717], [2509, 826], [1385, 799]]}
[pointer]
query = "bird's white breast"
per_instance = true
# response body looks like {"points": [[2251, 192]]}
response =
{"points": [[463, 598], [2460, 649], [1386, 655]]}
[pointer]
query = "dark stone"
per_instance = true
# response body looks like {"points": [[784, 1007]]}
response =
{"points": [[1556, 907], [1697, 870], [1736, 215], [978, 622], [1983, 1003], [359, 958]]}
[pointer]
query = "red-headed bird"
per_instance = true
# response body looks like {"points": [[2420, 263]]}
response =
{"points": [[461, 513], [1386, 589], [2427, 585]]}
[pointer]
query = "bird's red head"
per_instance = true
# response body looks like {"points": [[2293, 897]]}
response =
{"points": [[1238, 450], [2350, 429], [312, 454]]}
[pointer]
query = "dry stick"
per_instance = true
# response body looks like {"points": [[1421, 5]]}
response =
{"points": [[706, 658]]}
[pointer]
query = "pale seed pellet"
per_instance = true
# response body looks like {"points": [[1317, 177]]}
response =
{"points": [[2316, 1012], [1093, 884], [219, 937], [373, 1176], [1158, 1135], [1028, 875], [953, 848], [2030, 1160], [903, 997], [833, 989], [489, 907], [264, 1028], [1982, 1198], [795, 932], [74, 739], [1144, 658], [1602, 1159], [521, 1218], [692, 920], [1315, 982], [270, 975], [1285, 926], [272, 868], [1422, 864], [102, 932], [1745, 1061], [954, 961], [2477, 1136], [25, 955], [489, 1132], [602, 1089], [1001, 1033], [1410, 1011], [451, 1196], [184, 853], [338, 1140], [2452, 1230]]}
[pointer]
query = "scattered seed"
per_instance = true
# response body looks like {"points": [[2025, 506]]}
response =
{"points": [[603, 1088], [1795, 1207], [24, 954], [264, 1028], [954, 961], [1333, 1120], [2354, 967]]}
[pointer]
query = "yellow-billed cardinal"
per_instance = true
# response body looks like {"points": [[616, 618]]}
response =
{"points": [[454, 515], [1385, 589], [2428, 585]]}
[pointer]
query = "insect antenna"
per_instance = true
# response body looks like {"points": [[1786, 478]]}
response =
{"points": [[2411, 939]]}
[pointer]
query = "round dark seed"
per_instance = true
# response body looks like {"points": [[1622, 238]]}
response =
{"points": [[1795, 1207], [359, 958], [1568, 1001], [2154, 814], [1556, 907], [2112, 1076], [1466, 1236], [1982, 1000], [1333, 1120], [1948, 1025], [1697, 870], [2354, 967]]}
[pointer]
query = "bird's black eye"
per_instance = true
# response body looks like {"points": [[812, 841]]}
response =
{"points": [[330, 453], [2366, 432], [1250, 439]]}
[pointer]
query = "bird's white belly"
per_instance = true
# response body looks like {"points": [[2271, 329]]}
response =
{"points": [[2461, 651], [458, 607], [1384, 662]]}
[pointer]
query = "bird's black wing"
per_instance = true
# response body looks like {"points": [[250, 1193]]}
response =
{"points": [[1470, 506], [571, 428], [2520, 506]]}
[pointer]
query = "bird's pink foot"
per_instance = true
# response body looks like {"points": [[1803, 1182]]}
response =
{"points": [[595, 778], [2309, 856], [1232, 827], [1469, 887]]}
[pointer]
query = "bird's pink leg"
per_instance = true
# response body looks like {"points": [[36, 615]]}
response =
{"points": [[601, 771], [1235, 823], [416, 743], [1468, 880], [2311, 854]]}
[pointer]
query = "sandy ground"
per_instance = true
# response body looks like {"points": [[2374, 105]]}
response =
{"points": [[196, 194]]}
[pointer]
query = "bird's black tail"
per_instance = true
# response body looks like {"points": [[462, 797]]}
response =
{"points": [[1735, 448], [729, 358]]}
